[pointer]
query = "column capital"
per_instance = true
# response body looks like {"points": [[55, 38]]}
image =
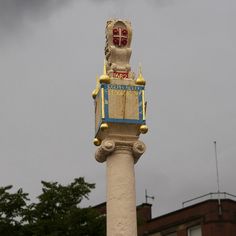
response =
{"points": [[108, 146]]}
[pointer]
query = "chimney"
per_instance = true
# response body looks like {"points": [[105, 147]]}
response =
{"points": [[144, 213]]}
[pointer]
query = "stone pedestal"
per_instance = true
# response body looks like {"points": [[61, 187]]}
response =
{"points": [[120, 157]]}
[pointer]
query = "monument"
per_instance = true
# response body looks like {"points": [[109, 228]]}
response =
{"points": [[120, 117]]}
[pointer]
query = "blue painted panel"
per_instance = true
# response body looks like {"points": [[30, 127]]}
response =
{"points": [[122, 87], [131, 121], [107, 119]]}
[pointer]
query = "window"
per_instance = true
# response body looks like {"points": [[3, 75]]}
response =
{"points": [[172, 234], [164, 234], [195, 231], [169, 234]]}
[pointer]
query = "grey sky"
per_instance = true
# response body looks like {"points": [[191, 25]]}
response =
{"points": [[49, 57], [16, 15]]}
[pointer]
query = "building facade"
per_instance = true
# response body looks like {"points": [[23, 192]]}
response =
{"points": [[212, 217]]}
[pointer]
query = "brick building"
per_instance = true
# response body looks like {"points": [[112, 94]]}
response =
{"points": [[210, 217]]}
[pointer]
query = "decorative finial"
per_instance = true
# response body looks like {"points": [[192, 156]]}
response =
{"points": [[97, 82], [140, 80], [97, 142], [140, 68], [105, 78], [143, 129], [96, 90], [104, 126]]}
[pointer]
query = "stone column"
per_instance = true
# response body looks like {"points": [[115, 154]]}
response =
{"points": [[121, 200], [120, 118]]}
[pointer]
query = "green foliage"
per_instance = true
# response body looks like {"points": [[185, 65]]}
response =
{"points": [[12, 208], [57, 212]]}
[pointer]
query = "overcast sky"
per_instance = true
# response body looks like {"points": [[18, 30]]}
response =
{"points": [[50, 53]]}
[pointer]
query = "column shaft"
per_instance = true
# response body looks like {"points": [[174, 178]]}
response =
{"points": [[121, 200]]}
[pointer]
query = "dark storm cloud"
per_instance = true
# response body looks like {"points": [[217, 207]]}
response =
{"points": [[157, 2], [161, 3], [18, 14]]}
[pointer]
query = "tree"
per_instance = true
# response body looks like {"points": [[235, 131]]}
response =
{"points": [[12, 208], [56, 213]]}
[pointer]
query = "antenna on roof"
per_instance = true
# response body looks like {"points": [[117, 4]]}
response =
{"points": [[217, 169], [218, 180], [148, 197]]}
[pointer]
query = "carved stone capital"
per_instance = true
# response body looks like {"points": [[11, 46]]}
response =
{"points": [[108, 146], [138, 149]]}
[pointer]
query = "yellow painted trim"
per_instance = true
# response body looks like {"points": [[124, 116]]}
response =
{"points": [[143, 98], [103, 103]]}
